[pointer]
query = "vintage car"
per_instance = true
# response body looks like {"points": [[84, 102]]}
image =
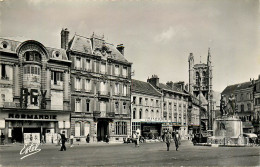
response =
{"points": [[251, 136], [196, 138]]}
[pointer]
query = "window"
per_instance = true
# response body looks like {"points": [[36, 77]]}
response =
{"points": [[146, 101], [82, 128], [124, 71], [78, 63], [124, 107], [116, 69], [134, 112], [204, 78], [170, 106], [4, 72], [242, 107], [87, 85], [103, 106], [103, 68], [56, 77], [116, 106], [140, 114], [78, 84], [77, 129], [197, 79], [164, 106], [78, 105], [140, 101], [103, 87], [241, 98], [134, 100], [87, 105], [175, 107], [116, 88], [87, 66], [121, 128], [152, 102], [249, 107], [124, 90], [2, 98], [32, 56], [157, 103]]}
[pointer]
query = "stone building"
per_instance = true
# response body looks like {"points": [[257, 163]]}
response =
{"points": [[100, 88], [35, 91], [200, 85], [146, 107], [256, 117], [244, 102], [174, 105]]}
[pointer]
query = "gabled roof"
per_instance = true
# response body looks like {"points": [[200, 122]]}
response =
{"points": [[232, 88], [144, 88], [202, 99], [172, 89]]}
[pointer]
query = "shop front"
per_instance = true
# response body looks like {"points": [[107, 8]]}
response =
{"points": [[26, 126]]}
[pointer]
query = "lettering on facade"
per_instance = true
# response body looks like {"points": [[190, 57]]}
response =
{"points": [[32, 116], [33, 94]]}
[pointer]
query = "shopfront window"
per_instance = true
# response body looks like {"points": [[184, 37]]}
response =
{"points": [[121, 128]]}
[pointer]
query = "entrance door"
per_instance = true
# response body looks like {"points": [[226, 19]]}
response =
{"points": [[17, 134], [102, 130]]}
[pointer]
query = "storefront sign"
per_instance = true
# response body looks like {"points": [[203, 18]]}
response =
{"points": [[33, 96], [154, 120], [32, 116]]}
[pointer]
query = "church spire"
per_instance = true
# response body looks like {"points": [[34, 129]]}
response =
{"points": [[209, 57]]}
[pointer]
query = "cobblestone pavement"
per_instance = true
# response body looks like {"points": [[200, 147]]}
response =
{"points": [[151, 154]]}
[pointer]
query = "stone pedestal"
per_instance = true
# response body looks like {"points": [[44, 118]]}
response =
{"points": [[227, 127]]}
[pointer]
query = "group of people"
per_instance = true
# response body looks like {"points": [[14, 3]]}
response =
{"points": [[168, 138]]}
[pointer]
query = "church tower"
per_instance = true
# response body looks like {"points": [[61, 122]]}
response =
{"points": [[191, 72]]}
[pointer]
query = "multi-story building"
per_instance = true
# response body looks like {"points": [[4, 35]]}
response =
{"points": [[146, 109], [243, 94], [256, 118], [200, 85], [174, 105], [100, 88], [35, 91]]}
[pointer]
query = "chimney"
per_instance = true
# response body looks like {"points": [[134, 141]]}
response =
{"points": [[64, 38], [170, 84], [154, 80], [121, 48]]}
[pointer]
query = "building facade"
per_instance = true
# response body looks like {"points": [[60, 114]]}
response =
{"points": [[100, 89], [146, 107], [244, 102], [200, 85], [174, 106], [256, 118], [35, 91]]}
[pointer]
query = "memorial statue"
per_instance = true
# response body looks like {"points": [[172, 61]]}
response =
{"points": [[228, 106]]}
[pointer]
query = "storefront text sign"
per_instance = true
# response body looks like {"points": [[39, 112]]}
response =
{"points": [[153, 120], [32, 116], [29, 149]]}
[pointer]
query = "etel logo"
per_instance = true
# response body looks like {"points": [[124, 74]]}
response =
{"points": [[28, 150]]}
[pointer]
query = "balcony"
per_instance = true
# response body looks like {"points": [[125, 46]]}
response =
{"points": [[96, 114], [111, 114], [103, 94]]}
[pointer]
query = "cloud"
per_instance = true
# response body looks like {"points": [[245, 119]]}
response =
{"points": [[172, 32]]}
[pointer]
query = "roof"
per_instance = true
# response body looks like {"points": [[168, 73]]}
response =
{"points": [[173, 88], [232, 88], [12, 45], [202, 99], [84, 45], [144, 88]]}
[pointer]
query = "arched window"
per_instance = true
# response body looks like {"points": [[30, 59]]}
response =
{"points": [[204, 77], [134, 112], [197, 78], [140, 114]]}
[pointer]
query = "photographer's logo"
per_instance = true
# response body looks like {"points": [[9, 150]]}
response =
{"points": [[29, 149]]}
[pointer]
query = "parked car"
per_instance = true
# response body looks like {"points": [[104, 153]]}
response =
{"points": [[196, 138], [252, 137]]}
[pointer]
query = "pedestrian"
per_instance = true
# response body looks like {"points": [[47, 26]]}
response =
{"points": [[177, 140], [42, 140], [71, 140], [2, 139], [107, 139], [63, 140], [137, 137], [87, 139], [167, 140]]}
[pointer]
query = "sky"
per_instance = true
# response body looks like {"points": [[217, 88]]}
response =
{"points": [[158, 35]]}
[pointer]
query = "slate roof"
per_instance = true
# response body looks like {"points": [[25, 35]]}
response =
{"points": [[12, 45], [84, 45], [232, 88], [144, 88], [172, 89]]}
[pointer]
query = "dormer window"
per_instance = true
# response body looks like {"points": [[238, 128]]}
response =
{"points": [[32, 56]]}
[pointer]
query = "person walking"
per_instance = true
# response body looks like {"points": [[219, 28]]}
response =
{"points": [[71, 140], [177, 140], [2, 139], [63, 140], [167, 139]]}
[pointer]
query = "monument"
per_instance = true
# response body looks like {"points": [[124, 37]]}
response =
{"points": [[228, 129]]}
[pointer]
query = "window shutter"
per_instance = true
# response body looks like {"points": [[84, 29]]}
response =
{"points": [[113, 88], [72, 83], [83, 83], [92, 86], [93, 65], [120, 70], [109, 69], [83, 104], [73, 59], [97, 66], [73, 104], [113, 69]]}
